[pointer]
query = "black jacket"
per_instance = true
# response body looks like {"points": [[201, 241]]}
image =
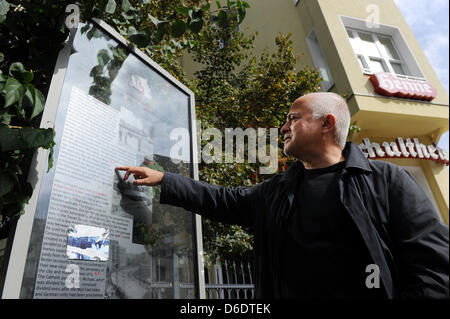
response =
{"points": [[398, 223]]}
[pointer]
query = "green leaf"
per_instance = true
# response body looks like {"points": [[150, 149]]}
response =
{"points": [[50, 158], [153, 19], [2, 57], [242, 13], [37, 137], [196, 26], [5, 118], [218, 4], [177, 28], [17, 70], [206, 7], [14, 91], [131, 31], [160, 32], [110, 7], [27, 77], [28, 192], [96, 71], [36, 98], [127, 17], [4, 7], [6, 183], [125, 5], [10, 139], [196, 14], [223, 19], [85, 28], [141, 38], [103, 57], [183, 10], [25, 138], [231, 4]]}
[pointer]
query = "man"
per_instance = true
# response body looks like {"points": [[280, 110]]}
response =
{"points": [[335, 224]]}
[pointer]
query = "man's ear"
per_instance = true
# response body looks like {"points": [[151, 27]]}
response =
{"points": [[329, 121]]}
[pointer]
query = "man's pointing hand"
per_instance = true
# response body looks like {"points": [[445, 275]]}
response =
{"points": [[142, 175]]}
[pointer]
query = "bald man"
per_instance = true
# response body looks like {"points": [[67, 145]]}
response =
{"points": [[335, 225]]}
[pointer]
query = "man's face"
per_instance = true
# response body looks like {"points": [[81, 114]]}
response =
{"points": [[301, 132]]}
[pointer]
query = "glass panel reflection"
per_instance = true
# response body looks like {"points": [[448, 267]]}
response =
{"points": [[398, 68], [377, 65], [389, 47], [368, 45]]}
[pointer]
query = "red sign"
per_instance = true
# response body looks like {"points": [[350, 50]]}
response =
{"points": [[387, 84]]}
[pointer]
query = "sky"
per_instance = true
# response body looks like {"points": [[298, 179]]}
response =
{"points": [[428, 20]]}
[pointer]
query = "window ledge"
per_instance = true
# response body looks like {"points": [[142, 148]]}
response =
{"points": [[400, 76]]}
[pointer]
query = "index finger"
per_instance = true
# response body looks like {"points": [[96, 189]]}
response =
{"points": [[129, 170]]}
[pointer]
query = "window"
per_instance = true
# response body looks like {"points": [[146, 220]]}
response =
{"points": [[319, 60], [376, 53], [381, 49]]}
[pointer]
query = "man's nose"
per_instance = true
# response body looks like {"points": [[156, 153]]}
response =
{"points": [[285, 128]]}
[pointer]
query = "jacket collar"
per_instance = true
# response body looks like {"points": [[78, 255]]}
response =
{"points": [[354, 158]]}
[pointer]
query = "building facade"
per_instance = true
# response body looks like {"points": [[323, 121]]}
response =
{"points": [[366, 52]]}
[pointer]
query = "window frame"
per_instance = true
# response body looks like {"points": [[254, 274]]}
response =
{"points": [[397, 39], [319, 59], [383, 56]]}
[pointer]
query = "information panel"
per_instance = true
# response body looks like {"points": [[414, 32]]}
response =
{"points": [[94, 235]]}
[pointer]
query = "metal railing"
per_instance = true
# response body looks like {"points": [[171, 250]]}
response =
{"points": [[229, 280]]}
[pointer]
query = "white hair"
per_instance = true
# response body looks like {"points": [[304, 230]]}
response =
{"points": [[325, 103]]}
